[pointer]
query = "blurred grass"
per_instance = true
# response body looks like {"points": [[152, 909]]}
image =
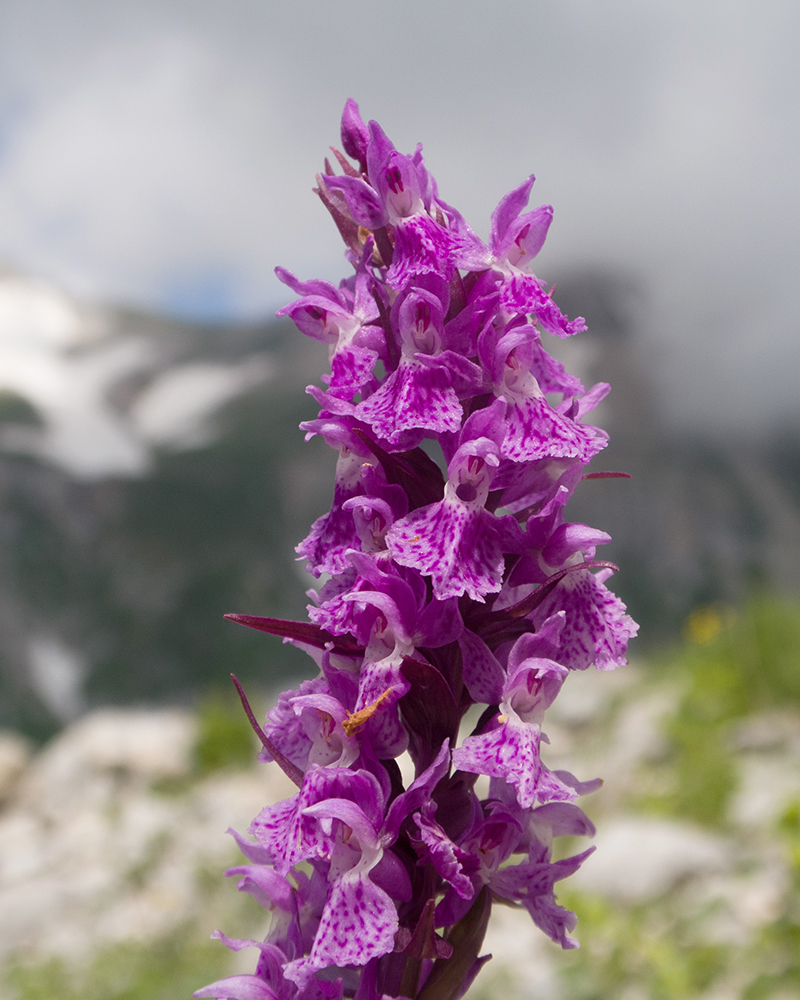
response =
{"points": [[621, 946], [166, 969], [732, 663], [225, 739]]}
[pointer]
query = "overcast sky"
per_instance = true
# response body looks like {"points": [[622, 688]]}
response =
{"points": [[162, 153]]}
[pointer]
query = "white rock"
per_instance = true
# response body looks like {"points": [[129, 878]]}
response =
{"points": [[768, 784], [15, 752], [22, 843], [524, 961], [638, 732], [587, 693], [640, 857], [768, 731], [83, 765]]}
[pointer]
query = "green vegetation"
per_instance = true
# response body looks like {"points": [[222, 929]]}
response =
{"points": [[778, 947], [225, 739], [621, 946], [167, 969], [731, 664]]}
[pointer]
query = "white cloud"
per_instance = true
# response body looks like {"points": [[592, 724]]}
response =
{"points": [[154, 146]]}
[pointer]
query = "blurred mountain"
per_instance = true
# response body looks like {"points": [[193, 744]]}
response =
{"points": [[705, 517], [152, 478]]}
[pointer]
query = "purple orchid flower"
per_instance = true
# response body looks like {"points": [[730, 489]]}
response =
{"points": [[509, 747], [450, 578], [342, 319], [457, 542], [423, 392]]}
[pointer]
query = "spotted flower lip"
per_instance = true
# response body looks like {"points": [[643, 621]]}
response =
{"points": [[449, 580]]}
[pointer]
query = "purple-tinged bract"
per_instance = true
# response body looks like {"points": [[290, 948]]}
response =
{"points": [[452, 579]]}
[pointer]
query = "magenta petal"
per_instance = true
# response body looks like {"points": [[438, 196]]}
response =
{"points": [[418, 792], [253, 852], [507, 211], [597, 628], [351, 368], [439, 623], [446, 858], [421, 246], [482, 673], [536, 430], [349, 813], [466, 378], [265, 885], [512, 752], [524, 294], [238, 988], [363, 201], [525, 238], [531, 883], [359, 922], [413, 397], [354, 133], [458, 546], [277, 829], [325, 547]]}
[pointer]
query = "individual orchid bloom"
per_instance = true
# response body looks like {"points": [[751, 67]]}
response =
{"points": [[284, 727], [457, 542], [487, 846], [423, 392], [296, 911], [295, 908], [531, 882], [396, 195], [360, 919], [344, 611], [331, 535], [597, 627], [408, 618], [307, 727], [381, 685], [534, 428], [376, 511], [538, 487], [399, 624], [509, 748], [289, 835], [391, 619], [515, 239], [345, 322]]}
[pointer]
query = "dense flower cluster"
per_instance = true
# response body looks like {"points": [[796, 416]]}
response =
{"points": [[450, 582]]}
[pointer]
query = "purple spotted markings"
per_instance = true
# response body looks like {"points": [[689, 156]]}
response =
{"points": [[453, 583]]}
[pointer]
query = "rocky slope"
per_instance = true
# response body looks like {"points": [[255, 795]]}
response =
{"points": [[112, 845]]}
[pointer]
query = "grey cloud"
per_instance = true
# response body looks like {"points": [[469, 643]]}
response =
{"points": [[146, 142]]}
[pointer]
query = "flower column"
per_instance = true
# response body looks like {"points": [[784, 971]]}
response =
{"points": [[442, 591]]}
